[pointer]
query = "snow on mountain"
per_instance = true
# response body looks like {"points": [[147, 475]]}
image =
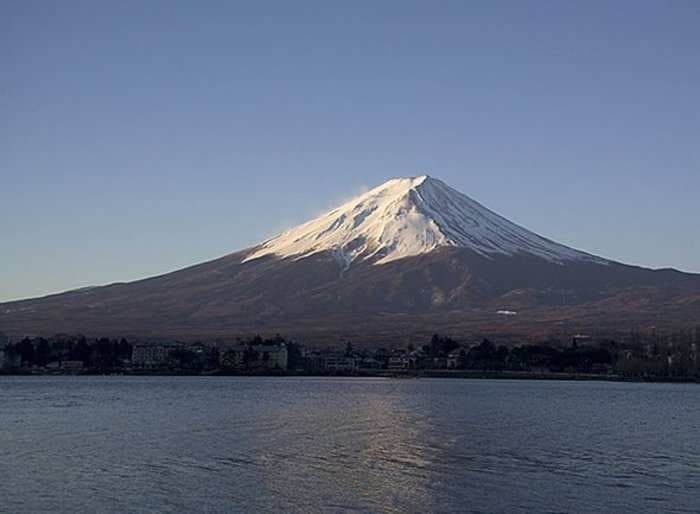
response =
{"points": [[406, 217]]}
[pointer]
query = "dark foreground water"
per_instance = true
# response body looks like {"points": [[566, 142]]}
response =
{"points": [[193, 444]]}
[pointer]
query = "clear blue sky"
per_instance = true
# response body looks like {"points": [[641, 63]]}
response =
{"points": [[139, 137]]}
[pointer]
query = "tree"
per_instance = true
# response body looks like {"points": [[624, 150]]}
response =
{"points": [[250, 355], [25, 348], [295, 359], [441, 346], [501, 357], [80, 351], [183, 358], [104, 355], [124, 349], [42, 352], [12, 355], [483, 356]]}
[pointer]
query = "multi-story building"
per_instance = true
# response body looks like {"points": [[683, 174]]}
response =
{"points": [[150, 356], [339, 363], [72, 365]]}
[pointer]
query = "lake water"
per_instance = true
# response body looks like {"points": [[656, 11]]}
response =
{"points": [[227, 444]]}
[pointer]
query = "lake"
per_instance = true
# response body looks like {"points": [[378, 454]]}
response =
{"points": [[231, 444]]}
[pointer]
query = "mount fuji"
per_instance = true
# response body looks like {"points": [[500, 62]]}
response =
{"points": [[405, 217], [408, 258]]}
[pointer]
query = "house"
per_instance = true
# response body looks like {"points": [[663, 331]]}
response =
{"points": [[273, 356], [398, 362], [150, 356], [72, 366], [435, 363], [370, 363], [313, 361], [604, 369], [456, 359], [416, 359], [339, 363]]}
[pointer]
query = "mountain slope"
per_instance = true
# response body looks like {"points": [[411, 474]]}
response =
{"points": [[408, 258]]}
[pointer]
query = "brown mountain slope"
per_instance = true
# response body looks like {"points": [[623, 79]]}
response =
{"points": [[450, 290]]}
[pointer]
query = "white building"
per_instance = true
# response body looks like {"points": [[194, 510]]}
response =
{"points": [[150, 356], [339, 363], [273, 357]]}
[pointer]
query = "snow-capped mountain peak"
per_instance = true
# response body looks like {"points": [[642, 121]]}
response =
{"points": [[405, 217]]}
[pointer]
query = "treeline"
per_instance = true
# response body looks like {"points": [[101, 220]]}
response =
{"points": [[539, 357], [654, 355], [105, 355], [553, 356], [641, 355], [637, 355], [101, 353]]}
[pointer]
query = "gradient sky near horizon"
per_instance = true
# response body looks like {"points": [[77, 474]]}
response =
{"points": [[140, 137]]}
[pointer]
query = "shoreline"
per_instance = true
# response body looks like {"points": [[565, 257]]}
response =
{"points": [[396, 374]]}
